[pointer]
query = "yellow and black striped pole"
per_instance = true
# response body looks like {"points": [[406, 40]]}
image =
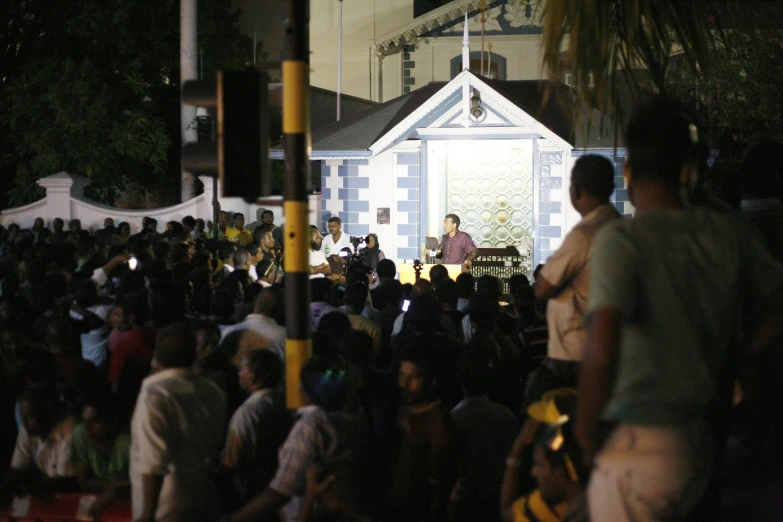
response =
{"points": [[296, 80]]}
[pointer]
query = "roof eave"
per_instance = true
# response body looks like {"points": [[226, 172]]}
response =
{"points": [[278, 154]]}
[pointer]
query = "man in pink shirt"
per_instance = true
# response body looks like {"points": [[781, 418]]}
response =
{"points": [[456, 247]]}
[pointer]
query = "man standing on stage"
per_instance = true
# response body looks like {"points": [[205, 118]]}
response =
{"points": [[456, 247]]}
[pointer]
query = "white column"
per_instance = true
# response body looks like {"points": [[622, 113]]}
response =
{"points": [[339, 57], [58, 194], [188, 67]]}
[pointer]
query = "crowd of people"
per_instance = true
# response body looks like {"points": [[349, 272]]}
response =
{"points": [[151, 366]]}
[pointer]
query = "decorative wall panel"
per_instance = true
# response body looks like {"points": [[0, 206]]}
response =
{"points": [[490, 188]]}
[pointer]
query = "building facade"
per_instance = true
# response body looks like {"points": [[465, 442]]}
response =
{"points": [[388, 52], [487, 150]]}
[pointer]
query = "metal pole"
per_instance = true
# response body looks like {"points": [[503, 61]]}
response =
{"points": [[188, 70], [296, 128], [339, 58]]}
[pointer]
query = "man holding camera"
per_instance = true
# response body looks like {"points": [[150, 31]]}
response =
{"points": [[335, 240]]}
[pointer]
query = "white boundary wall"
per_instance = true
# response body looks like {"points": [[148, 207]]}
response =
{"points": [[65, 199]]}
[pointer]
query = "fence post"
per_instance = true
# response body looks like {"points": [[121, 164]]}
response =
{"points": [[59, 188]]}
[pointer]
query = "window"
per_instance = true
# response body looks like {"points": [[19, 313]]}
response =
{"points": [[568, 80], [497, 65]]}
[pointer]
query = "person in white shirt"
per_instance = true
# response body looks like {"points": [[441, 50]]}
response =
{"points": [[242, 262], [335, 240], [253, 250], [177, 430], [258, 428], [262, 321], [95, 341], [325, 434], [319, 267], [41, 461]]}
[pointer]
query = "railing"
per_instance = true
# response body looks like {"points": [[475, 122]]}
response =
{"points": [[505, 262]]}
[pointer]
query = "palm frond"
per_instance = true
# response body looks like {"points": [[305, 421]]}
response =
{"points": [[612, 47]]}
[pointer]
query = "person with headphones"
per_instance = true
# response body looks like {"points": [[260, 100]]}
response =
{"points": [[662, 323]]}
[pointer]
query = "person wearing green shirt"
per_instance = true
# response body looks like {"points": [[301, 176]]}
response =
{"points": [[100, 451], [663, 313]]}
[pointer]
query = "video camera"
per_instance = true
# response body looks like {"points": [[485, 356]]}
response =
{"points": [[356, 241]]}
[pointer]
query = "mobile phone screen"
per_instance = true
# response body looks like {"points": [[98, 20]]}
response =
{"points": [[405, 304]]}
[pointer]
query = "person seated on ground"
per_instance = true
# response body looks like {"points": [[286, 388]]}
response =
{"points": [[359, 273], [257, 429], [58, 234], [515, 282], [486, 431], [325, 434], [318, 263], [131, 357], [77, 378], [40, 232], [75, 232], [199, 229], [438, 273], [320, 289], [355, 299], [222, 308], [268, 225], [41, 463], [262, 320], [124, 231], [447, 292], [342, 259], [423, 463], [105, 234], [557, 468], [256, 255], [242, 260], [188, 225], [466, 286], [94, 345], [267, 245], [532, 331], [100, 452], [266, 271], [210, 362], [385, 271], [334, 325], [422, 287], [511, 361], [222, 225], [490, 285]]}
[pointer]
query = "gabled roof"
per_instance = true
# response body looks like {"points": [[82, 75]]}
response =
{"points": [[524, 104], [360, 131]]}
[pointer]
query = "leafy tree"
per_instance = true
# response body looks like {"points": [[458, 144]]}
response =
{"points": [[609, 43], [744, 101], [93, 88]]}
